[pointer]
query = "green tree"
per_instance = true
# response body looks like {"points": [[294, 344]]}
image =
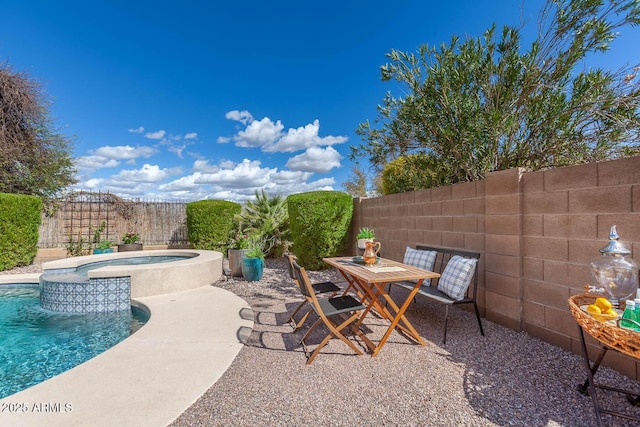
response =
{"points": [[361, 184], [34, 158], [266, 220], [413, 172], [483, 104]]}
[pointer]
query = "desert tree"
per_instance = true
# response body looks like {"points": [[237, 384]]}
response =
{"points": [[486, 103], [34, 158]]}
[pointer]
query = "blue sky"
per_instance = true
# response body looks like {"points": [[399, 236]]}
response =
{"points": [[199, 99]]}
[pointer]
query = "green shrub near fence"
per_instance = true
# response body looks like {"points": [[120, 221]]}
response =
{"points": [[19, 221], [209, 223], [319, 223]]}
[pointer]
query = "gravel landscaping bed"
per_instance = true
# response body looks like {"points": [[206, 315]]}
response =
{"points": [[506, 378]]}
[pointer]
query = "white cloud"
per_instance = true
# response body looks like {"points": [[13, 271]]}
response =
{"points": [[93, 184], [186, 183], [303, 138], [270, 137], [202, 165], [216, 175], [155, 135], [227, 164], [245, 174], [95, 162], [315, 159], [243, 116], [259, 133], [147, 173], [223, 139], [177, 149], [124, 152], [286, 178]]}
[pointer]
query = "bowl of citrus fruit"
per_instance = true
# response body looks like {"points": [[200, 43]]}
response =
{"points": [[602, 310]]}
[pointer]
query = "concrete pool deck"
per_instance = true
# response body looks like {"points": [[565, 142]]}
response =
{"points": [[150, 378]]}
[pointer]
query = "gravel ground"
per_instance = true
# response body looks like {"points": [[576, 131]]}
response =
{"points": [[506, 378]]}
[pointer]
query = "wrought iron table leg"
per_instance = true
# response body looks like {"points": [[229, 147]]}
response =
{"points": [[589, 386], [584, 388], [590, 372]]}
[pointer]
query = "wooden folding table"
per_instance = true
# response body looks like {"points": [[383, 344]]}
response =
{"points": [[370, 282]]}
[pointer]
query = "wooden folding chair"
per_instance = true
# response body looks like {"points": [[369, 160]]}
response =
{"points": [[327, 310], [318, 289]]}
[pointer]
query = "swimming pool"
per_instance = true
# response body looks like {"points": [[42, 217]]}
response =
{"points": [[37, 344], [199, 270]]}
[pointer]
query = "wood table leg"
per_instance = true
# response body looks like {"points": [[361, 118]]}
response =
{"points": [[399, 316]]}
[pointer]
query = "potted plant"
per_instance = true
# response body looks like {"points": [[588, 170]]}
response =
{"points": [[130, 242], [253, 263], [103, 247], [100, 245], [238, 246], [365, 235]]}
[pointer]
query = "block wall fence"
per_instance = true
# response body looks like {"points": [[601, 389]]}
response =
{"points": [[537, 233]]}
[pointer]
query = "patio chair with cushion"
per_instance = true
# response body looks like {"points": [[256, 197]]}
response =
{"points": [[344, 309], [319, 288]]}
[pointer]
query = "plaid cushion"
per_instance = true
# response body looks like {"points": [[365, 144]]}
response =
{"points": [[456, 276], [421, 259]]}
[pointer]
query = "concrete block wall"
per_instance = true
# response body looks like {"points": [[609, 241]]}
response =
{"points": [[537, 232]]}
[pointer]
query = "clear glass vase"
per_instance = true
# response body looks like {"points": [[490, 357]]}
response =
{"points": [[614, 272]]}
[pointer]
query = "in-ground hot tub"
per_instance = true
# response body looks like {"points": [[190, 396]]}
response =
{"points": [[110, 288]]}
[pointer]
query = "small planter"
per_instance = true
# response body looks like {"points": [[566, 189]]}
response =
{"points": [[97, 251], [252, 269], [362, 243], [235, 261], [130, 247]]}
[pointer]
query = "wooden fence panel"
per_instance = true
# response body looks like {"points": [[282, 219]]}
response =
{"points": [[79, 214]]}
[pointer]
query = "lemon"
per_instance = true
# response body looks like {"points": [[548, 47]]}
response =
{"points": [[603, 303], [594, 309]]}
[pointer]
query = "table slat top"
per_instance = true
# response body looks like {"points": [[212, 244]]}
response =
{"points": [[371, 275]]}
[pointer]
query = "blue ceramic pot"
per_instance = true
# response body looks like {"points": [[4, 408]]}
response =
{"points": [[252, 269], [97, 251]]}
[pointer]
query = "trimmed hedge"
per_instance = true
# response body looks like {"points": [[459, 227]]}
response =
{"points": [[210, 222], [319, 223], [20, 218]]}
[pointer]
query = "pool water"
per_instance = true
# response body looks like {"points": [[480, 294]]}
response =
{"points": [[37, 344], [142, 260]]}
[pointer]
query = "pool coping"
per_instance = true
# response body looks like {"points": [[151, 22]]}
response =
{"points": [[150, 378]]}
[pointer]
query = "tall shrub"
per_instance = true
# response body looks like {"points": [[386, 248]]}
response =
{"points": [[209, 223], [319, 223], [20, 217]]}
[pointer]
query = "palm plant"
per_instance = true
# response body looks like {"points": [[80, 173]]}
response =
{"points": [[267, 220]]}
